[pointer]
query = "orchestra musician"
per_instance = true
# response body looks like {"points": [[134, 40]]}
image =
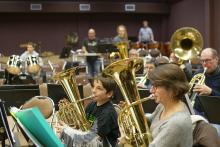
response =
{"points": [[101, 113], [149, 66], [209, 59], [90, 45], [170, 122], [185, 66], [145, 35], [30, 52], [122, 35]]}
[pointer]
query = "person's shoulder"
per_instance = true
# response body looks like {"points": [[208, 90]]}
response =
{"points": [[109, 108], [181, 119]]}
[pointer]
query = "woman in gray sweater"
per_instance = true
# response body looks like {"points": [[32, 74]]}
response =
{"points": [[171, 125]]}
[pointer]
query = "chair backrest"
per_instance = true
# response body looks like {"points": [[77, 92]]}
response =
{"points": [[205, 135], [43, 103]]}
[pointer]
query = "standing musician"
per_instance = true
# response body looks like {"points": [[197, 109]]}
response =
{"points": [[101, 113], [145, 34], [171, 125], [90, 46]]}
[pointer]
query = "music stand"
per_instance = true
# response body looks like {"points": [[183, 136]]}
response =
{"points": [[210, 106], [150, 105], [106, 45], [5, 130]]}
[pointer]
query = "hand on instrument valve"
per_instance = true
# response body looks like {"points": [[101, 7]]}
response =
{"points": [[202, 89], [59, 127]]}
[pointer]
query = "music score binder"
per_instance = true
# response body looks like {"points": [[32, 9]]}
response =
{"points": [[36, 128]]}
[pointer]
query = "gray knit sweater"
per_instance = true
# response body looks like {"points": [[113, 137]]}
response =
{"points": [[176, 131]]}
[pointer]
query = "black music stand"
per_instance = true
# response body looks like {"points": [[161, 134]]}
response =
{"points": [[211, 107], [5, 132], [106, 45], [150, 105]]}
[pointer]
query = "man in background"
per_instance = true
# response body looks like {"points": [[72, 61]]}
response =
{"points": [[145, 34], [90, 45]]}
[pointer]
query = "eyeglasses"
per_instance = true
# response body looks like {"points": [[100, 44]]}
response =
{"points": [[205, 60], [154, 86]]}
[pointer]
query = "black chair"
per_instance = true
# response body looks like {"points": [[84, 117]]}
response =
{"points": [[211, 106]]}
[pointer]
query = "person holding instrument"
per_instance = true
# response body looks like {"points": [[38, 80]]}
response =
{"points": [[209, 60], [101, 113], [171, 125]]}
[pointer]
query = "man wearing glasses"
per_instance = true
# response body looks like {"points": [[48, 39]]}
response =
{"points": [[209, 59]]}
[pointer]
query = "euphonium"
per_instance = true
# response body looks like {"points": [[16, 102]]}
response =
{"points": [[134, 124], [197, 79], [71, 112], [122, 51]]}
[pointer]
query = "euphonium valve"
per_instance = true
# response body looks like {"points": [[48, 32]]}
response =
{"points": [[71, 112], [197, 79], [123, 72]]}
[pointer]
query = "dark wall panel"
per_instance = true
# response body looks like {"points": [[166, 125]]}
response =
{"points": [[189, 13], [50, 29]]}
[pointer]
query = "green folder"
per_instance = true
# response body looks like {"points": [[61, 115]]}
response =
{"points": [[35, 123]]}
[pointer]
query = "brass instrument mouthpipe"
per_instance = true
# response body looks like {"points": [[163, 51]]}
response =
{"points": [[86, 98], [142, 81]]}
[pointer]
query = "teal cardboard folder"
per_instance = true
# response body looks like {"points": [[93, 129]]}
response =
{"points": [[35, 123]]}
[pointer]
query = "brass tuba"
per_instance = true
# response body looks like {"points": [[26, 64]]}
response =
{"points": [[186, 43], [122, 51], [134, 123], [71, 112]]}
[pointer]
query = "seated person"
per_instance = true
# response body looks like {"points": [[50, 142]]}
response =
{"points": [[185, 65], [149, 66], [171, 117], [133, 53], [100, 113], [29, 57], [70, 41], [161, 60]]}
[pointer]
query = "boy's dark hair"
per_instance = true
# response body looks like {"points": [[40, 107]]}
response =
{"points": [[108, 83]]}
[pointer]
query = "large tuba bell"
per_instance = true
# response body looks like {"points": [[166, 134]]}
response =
{"points": [[186, 43], [122, 51], [71, 112], [134, 124]]}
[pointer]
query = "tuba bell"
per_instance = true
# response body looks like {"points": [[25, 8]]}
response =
{"points": [[134, 123], [186, 43], [71, 111]]}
